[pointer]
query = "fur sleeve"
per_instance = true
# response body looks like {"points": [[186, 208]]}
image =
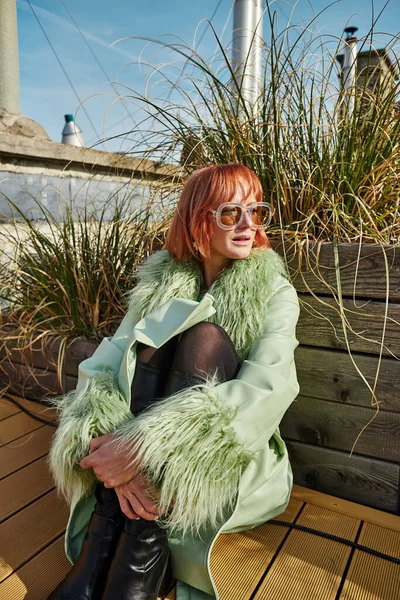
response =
{"points": [[94, 408], [190, 451]]}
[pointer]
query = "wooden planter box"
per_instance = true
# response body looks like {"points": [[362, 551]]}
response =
{"points": [[334, 404]]}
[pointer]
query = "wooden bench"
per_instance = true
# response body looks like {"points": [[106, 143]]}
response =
{"points": [[270, 562]]}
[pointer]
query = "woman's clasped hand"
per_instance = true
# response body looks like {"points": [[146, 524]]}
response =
{"points": [[117, 470], [135, 500]]}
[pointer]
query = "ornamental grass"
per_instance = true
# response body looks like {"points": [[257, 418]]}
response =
{"points": [[330, 173], [71, 276], [61, 280]]}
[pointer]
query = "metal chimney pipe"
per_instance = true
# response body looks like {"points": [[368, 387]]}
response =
{"points": [[9, 70], [349, 72], [258, 63], [247, 49]]}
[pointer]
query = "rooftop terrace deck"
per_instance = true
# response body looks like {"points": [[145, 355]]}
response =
{"points": [[270, 562]]}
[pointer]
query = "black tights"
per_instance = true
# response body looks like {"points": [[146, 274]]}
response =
{"points": [[204, 350]]}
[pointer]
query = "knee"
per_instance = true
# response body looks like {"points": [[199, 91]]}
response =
{"points": [[207, 340], [207, 348], [206, 334], [160, 357]]}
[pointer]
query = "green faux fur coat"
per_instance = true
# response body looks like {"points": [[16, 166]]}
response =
{"points": [[215, 450]]}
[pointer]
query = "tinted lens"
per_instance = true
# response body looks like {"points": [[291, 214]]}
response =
{"points": [[260, 215], [230, 215]]}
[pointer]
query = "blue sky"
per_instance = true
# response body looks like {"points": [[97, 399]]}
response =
{"points": [[46, 94]]}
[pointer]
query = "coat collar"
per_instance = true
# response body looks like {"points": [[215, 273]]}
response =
{"points": [[240, 293]]}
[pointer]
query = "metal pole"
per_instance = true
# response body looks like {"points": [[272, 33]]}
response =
{"points": [[258, 38], [349, 72], [9, 70], [247, 49]]}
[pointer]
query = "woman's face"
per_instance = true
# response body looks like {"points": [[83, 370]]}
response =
{"points": [[234, 243]]}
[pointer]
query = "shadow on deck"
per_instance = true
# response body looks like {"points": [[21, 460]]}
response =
{"points": [[270, 562]]}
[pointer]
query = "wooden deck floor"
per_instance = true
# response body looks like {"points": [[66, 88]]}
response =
{"points": [[270, 562]]}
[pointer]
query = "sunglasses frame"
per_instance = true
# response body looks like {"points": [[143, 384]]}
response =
{"points": [[217, 214]]}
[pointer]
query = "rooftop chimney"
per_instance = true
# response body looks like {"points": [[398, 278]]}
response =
{"points": [[349, 71], [247, 49]]}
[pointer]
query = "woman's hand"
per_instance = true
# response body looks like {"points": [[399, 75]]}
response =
{"points": [[135, 500], [114, 468]]}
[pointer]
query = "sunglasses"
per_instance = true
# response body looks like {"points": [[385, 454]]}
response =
{"points": [[231, 214]]}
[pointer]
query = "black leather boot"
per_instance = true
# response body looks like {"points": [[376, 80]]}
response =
{"points": [[140, 569], [85, 580], [147, 386]]}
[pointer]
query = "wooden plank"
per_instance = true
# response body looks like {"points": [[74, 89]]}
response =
{"points": [[381, 539], [312, 267], [36, 579], [33, 384], [25, 450], [171, 595], [320, 325], [77, 351], [16, 426], [29, 531], [336, 426], [248, 554], [368, 481], [310, 567], [40, 409], [44, 353], [20, 380], [370, 577], [345, 507], [331, 375], [23, 487], [7, 409]]}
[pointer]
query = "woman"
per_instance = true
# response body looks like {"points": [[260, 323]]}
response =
{"points": [[211, 329]]}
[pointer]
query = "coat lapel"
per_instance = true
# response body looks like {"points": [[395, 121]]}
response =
{"points": [[171, 319]]}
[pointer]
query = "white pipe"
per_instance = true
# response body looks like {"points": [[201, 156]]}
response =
{"points": [[247, 49], [258, 62], [9, 70], [349, 73]]}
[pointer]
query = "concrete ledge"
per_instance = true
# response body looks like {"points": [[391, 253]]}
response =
{"points": [[16, 149]]}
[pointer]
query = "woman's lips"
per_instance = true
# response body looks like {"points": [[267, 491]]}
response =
{"points": [[242, 241]]}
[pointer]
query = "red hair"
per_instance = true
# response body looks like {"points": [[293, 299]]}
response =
{"points": [[203, 191]]}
